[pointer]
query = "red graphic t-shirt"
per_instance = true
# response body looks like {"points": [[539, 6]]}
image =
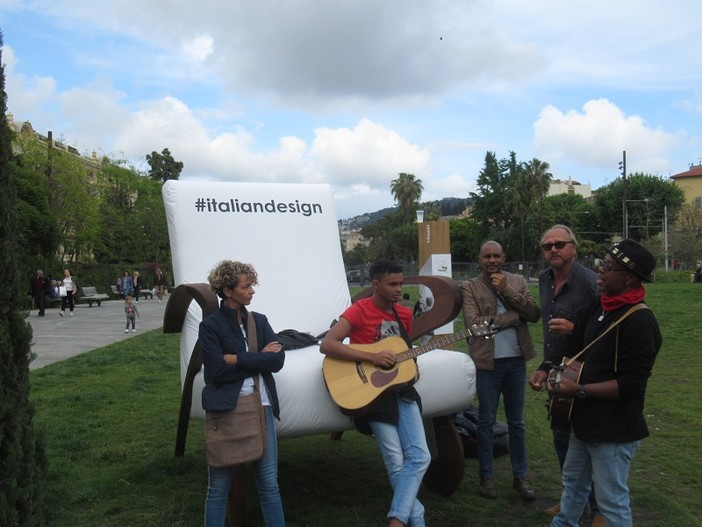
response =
{"points": [[370, 324]]}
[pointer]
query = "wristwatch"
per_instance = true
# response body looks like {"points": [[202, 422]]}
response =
{"points": [[581, 393]]}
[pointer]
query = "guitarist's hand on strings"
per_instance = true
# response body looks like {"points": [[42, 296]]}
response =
{"points": [[565, 387], [384, 359]]}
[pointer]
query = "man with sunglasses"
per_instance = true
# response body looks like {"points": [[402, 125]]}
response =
{"points": [[566, 290], [616, 345]]}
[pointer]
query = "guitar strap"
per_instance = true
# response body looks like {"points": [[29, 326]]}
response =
{"points": [[403, 330], [632, 309]]}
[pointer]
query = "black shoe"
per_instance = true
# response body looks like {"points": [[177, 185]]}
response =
{"points": [[524, 488], [487, 488]]}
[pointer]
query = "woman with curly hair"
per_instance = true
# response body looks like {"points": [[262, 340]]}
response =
{"points": [[232, 371]]}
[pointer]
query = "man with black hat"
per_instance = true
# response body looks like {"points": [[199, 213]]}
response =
{"points": [[607, 383]]}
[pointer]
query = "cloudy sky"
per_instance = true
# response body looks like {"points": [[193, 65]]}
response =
{"points": [[352, 92]]}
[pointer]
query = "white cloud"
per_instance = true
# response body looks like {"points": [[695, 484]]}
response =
{"points": [[369, 152], [26, 95], [198, 48], [597, 135]]}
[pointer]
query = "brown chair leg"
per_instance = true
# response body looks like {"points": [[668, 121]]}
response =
{"points": [[236, 505], [445, 473]]}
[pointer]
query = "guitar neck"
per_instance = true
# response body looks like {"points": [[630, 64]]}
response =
{"points": [[435, 343]]}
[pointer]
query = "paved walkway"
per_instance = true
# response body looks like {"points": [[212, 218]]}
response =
{"points": [[57, 338]]}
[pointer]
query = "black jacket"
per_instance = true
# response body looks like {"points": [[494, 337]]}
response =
{"points": [[220, 334]]}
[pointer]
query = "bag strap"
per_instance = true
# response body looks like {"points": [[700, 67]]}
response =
{"points": [[252, 341], [403, 329], [632, 309]]}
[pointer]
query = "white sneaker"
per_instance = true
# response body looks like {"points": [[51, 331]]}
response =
{"points": [[61, 313], [126, 331], [134, 331], [70, 314]]}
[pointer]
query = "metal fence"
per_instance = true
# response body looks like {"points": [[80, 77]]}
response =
{"points": [[461, 271]]}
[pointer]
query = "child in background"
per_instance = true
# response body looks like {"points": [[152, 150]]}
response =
{"points": [[131, 311]]}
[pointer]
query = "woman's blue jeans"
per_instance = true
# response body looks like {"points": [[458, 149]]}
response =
{"points": [[406, 457], [508, 378], [607, 464], [265, 472]]}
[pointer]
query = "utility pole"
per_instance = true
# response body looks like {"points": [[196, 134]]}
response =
{"points": [[625, 219]]}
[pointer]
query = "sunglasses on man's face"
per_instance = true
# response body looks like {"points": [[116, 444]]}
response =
{"points": [[558, 245]]}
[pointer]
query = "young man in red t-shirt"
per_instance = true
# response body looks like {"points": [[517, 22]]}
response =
{"points": [[396, 419]]}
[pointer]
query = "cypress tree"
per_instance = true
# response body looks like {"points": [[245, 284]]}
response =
{"points": [[22, 456]]}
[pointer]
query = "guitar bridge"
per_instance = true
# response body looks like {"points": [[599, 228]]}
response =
{"points": [[361, 372]]}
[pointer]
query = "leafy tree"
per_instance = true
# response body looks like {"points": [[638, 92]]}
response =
{"points": [[686, 239], [73, 195], [490, 202], [407, 190], [356, 256], [37, 223], [517, 201], [132, 222], [466, 239], [537, 178], [647, 198], [432, 211], [162, 166], [22, 456], [391, 237]]}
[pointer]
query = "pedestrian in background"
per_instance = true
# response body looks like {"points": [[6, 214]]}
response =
{"points": [[39, 288], [71, 289], [126, 285], [131, 312], [160, 284], [136, 282]]}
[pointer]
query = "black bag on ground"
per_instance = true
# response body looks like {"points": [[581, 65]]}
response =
{"points": [[292, 339], [466, 423]]}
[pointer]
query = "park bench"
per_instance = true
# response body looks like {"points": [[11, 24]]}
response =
{"points": [[146, 293], [91, 295]]}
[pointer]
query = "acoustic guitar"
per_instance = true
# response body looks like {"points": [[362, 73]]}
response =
{"points": [[355, 386], [560, 409]]}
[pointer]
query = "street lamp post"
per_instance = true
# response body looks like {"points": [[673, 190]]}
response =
{"points": [[622, 166]]}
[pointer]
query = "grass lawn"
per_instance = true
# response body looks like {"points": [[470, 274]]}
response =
{"points": [[108, 419]]}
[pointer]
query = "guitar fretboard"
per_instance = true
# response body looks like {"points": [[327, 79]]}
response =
{"points": [[437, 342]]}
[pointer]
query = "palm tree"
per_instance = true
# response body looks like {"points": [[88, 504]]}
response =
{"points": [[538, 179], [517, 201], [407, 190]]}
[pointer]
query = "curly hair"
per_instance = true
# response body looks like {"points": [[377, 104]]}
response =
{"points": [[226, 274]]}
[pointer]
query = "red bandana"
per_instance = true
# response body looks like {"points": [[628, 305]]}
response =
{"points": [[610, 303]]}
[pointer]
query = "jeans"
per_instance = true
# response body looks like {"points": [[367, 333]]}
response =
{"points": [[508, 379], [607, 464], [67, 301], [560, 442], [406, 457], [266, 476]]}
